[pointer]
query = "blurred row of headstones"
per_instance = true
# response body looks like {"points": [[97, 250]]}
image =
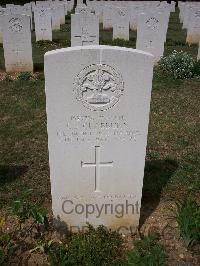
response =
{"points": [[149, 18]]}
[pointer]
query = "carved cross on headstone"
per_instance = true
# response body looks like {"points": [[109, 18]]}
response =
{"points": [[97, 164], [85, 36]]}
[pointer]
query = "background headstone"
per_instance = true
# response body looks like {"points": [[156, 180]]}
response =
{"points": [[55, 11], [84, 29], [150, 33], [17, 43], [121, 23], [107, 17], [193, 30], [3, 11], [43, 24]]}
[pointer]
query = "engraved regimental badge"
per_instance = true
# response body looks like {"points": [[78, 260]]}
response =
{"points": [[121, 13], [15, 25], [152, 23], [98, 87]]}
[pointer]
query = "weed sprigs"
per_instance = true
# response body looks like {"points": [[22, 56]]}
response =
{"points": [[147, 251], [187, 215], [24, 210], [25, 76], [7, 247], [12, 238], [95, 247]]}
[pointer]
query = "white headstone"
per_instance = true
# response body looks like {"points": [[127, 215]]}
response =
{"points": [[82, 9], [55, 11], [21, 10], [71, 5], [173, 6], [84, 29], [9, 5], [107, 17], [43, 4], [61, 8], [134, 12], [121, 23], [97, 116], [3, 11], [17, 43], [43, 24], [66, 8], [150, 33], [80, 3], [193, 31], [98, 10]]}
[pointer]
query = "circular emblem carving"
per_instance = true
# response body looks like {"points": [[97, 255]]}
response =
{"points": [[152, 23], [121, 13], [15, 25], [42, 12], [98, 87]]}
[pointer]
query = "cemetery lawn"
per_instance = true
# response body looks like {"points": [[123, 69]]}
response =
{"points": [[173, 153]]}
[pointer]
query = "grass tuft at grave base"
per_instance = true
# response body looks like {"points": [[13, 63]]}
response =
{"points": [[172, 168]]}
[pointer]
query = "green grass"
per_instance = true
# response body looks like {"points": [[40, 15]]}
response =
{"points": [[23, 138], [147, 251], [187, 215], [172, 166]]}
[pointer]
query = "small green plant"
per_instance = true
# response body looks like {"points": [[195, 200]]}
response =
{"points": [[178, 64], [187, 215], [24, 76], [57, 252], [11, 240], [6, 251], [24, 210], [95, 247], [147, 251]]}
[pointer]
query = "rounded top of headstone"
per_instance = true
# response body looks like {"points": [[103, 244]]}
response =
{"points": [[97, 47]]}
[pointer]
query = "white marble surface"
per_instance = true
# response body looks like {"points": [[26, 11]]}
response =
{"points": [[84, 29], [17, 43], [97, 118]]}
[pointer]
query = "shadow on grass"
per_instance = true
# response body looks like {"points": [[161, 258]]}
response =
{"points": [[157, 174], [9, 173]]}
